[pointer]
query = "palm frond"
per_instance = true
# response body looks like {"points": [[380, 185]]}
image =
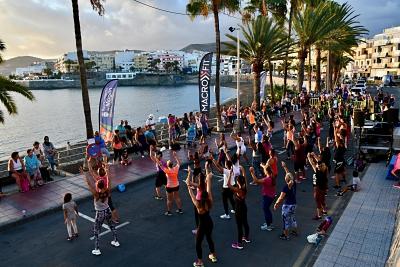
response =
{"points": [[7, 86]]}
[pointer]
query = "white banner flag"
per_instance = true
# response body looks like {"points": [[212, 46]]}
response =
{"points": [[263, 81]]}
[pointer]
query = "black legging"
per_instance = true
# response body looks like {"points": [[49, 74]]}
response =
{"points": [[196, 216], [205, 229], [290, 148], [117, 154], [241, 219], [227, 194]]}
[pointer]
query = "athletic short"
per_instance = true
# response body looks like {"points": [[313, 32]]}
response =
{"points": [[110, 203], [339, 167], [319, 196], [19, 171], [172, 189], [299, 166], [161, 179]]}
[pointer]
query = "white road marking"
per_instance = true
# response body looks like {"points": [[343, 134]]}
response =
{"points": [[92, 220], [281, 151], [109, 230], [104, 225]]}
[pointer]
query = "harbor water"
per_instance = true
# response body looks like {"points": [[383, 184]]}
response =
{"points": [[59, 113]]}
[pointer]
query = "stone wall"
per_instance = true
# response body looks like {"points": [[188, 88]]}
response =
{"points": [[139, 80]]}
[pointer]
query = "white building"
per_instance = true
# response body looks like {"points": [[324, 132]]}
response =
{"points": [[69, 61], [124, 60], [35, 68], [120, 75]]}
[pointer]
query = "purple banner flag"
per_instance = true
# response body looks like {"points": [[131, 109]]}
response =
{"points": [[204, 83], [106, 109]]}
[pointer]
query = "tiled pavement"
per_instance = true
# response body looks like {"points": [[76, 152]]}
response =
{"points": [[50, 196], [363, 234]]}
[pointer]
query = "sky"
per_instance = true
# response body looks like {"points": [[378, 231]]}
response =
{"points": [[44, 28]]}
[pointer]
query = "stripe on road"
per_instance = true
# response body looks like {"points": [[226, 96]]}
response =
{"points": [[109, 231]]}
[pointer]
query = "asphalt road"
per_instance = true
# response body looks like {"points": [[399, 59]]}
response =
{"points": [[152, 239]]}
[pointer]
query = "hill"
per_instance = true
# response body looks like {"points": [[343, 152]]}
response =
{"points": [[209, 47], [8, 66]]}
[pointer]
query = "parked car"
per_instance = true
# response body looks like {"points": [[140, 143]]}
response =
{"points": [[359, 88]]}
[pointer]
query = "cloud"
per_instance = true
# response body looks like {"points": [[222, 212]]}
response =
{"points": [[45, 27]]}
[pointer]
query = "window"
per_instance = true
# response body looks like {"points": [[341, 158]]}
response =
{"points": [[113, 76]]}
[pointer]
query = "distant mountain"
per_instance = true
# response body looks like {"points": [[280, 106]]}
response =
{"points": [[210, 47], [8, 66]]}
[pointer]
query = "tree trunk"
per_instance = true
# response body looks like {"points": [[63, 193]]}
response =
{"points": [[309, 70], [256, 86], [82, 70], [217, 66], [300, 68], [271, 81], [318, 71], [328, 79], [285, 67]]}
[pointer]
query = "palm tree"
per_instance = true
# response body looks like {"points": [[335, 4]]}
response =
{"points": [[97, 5], [264, 41], [340, 41], [205, 8], [7, 86], [277, 8], [312, 25], [295, 5]]}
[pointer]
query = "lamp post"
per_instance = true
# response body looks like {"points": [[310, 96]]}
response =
{"points": [[239, 124]]}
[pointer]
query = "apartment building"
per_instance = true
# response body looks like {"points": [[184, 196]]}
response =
{"points": [[378, 56], [104, 60], [141, 62], [124, 60]]}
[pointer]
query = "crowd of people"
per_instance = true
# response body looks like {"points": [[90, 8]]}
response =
{"points": [[304, 145], [254, 162], [33, 170]]}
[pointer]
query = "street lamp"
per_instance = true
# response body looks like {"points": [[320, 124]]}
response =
{"points": [[239, 125]]}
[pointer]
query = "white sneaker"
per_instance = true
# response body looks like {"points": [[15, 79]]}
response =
{"points": [[115, 243], [96, 252], [225, 216], [233, 211], [265, 227], [194, 231]]}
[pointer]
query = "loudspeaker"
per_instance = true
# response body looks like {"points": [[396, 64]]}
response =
{"points": [[391, 115], [358, 118]]}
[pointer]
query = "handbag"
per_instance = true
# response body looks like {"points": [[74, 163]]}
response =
{"points": [[24, 184]]}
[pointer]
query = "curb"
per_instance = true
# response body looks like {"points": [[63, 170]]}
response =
{"points": [[32, 217]]}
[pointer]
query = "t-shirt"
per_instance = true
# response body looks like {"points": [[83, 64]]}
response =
{"points": [[100, 141], [150, 122], [267, 188], [69, 207], [339, 154], [290, 198], [172, 176], [258, 136], [356, 182], [122, 130], [326, 156], [226, 177], [149, 135], [320, 180]]}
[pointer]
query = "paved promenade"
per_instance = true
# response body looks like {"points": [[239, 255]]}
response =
{"points": [[363, 234], [19, 207]]}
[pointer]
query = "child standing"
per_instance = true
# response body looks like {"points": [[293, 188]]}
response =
{"points": [[70, 216]]}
